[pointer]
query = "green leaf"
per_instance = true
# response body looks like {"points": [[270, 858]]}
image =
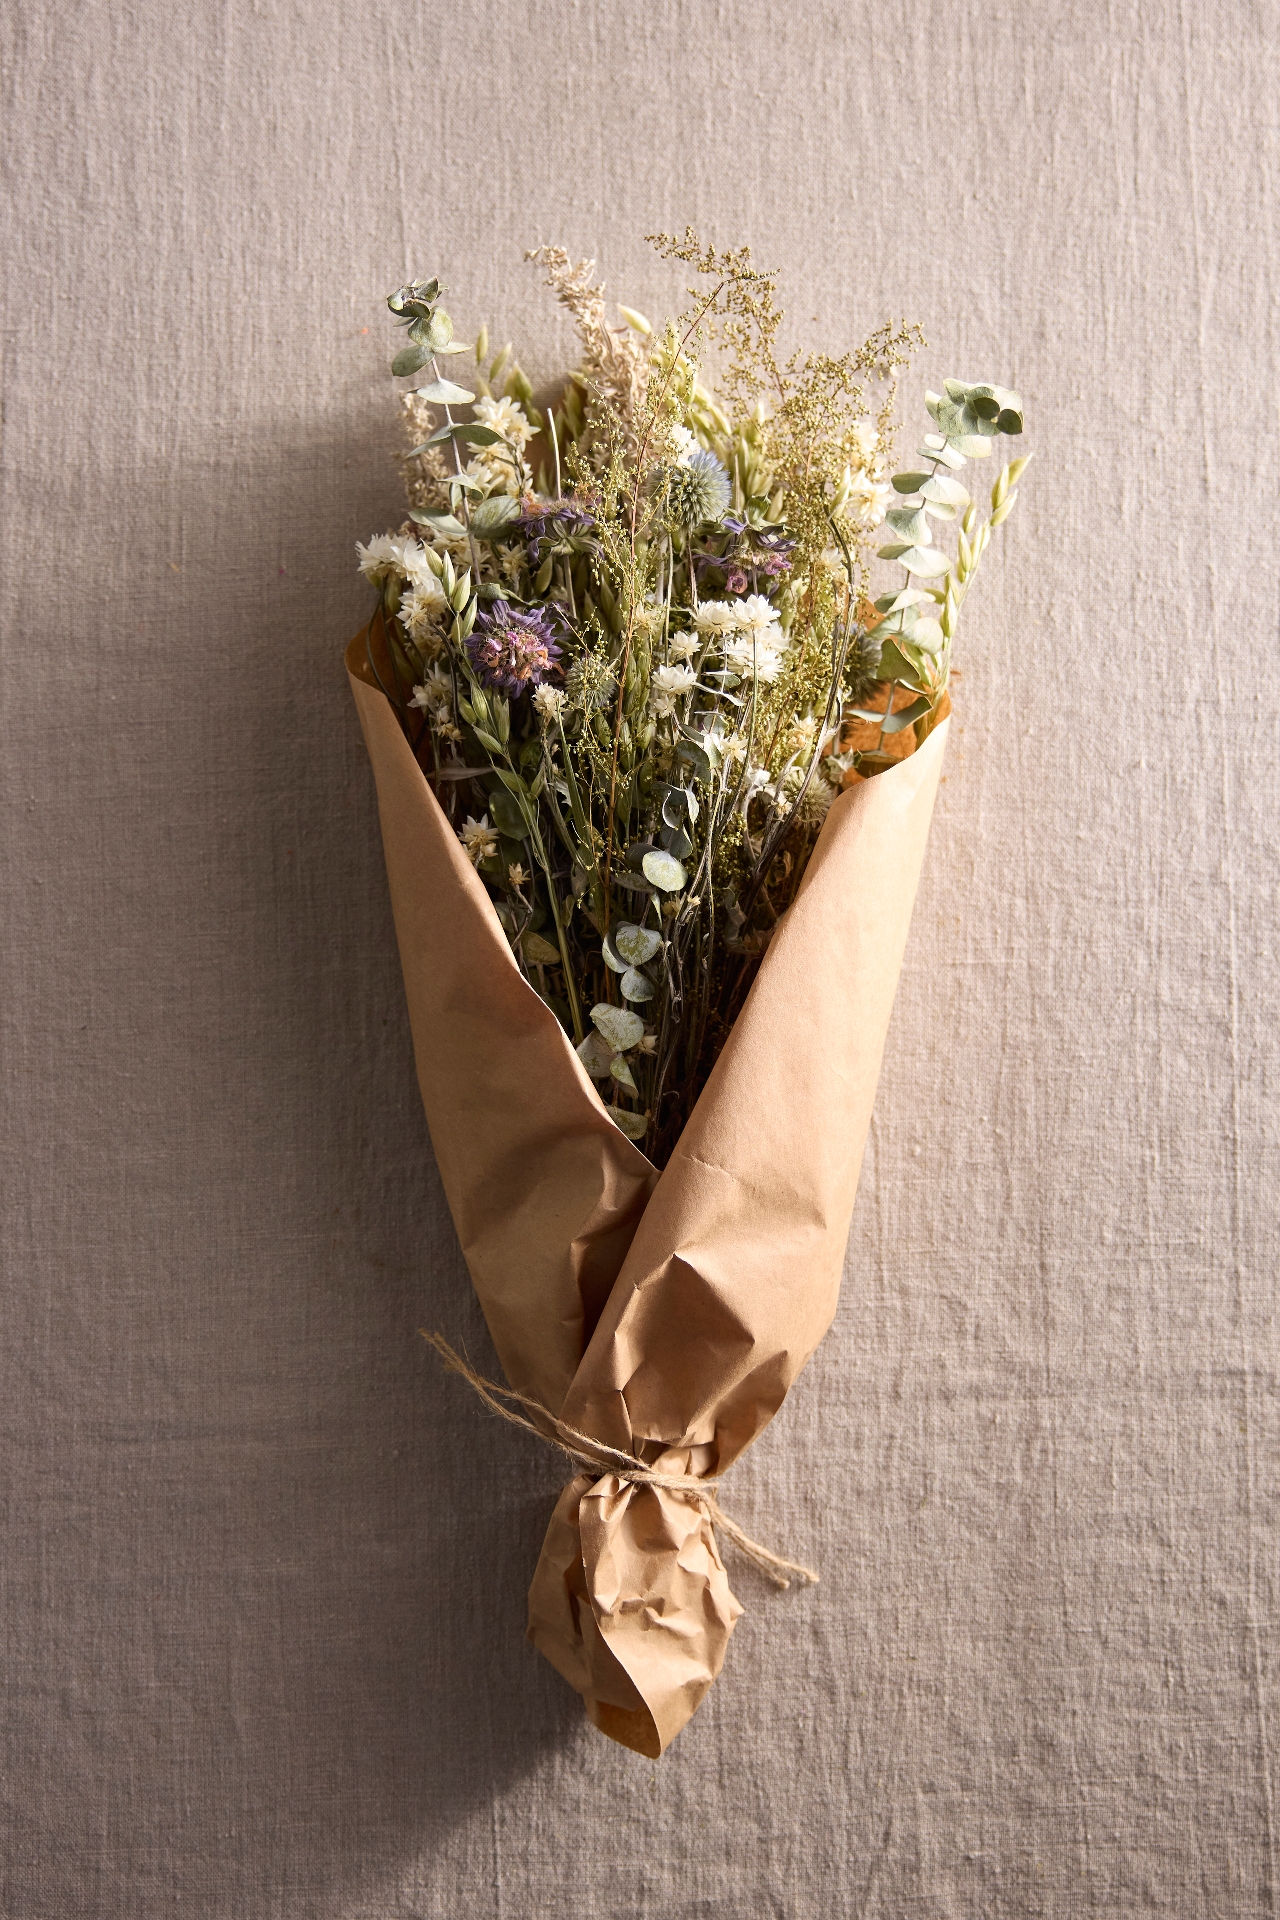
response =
{"points": [[927, 562], [971, 447], [491, 515], [611, 959], [595, 1054], [634, 986], [945, 455], [895, 602], [634, 1125], [408, 360], [909, 482], [949, 492], [443, 393], [487, 741], [896, 663], [539, 952], [636, 944], [622, 1073], [910, 524], [899, 722], [620, 1028], [443, 523], [664, 870], [507, 817], [469, 430], [439, 330]]}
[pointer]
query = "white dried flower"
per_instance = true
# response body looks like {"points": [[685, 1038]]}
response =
{"points": [[548, 703], [683, 646], [506, 417], [668, 685], [756, 656], [413, 562], [866, 441], [479, 839], [516, 875], [715, 616], [685, 444], [379, 559], [868, 499], [424, 606], [436, 692], [754, 614]]}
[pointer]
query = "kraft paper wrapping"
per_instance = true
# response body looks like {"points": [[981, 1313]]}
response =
{"points": [[665, 1314]]}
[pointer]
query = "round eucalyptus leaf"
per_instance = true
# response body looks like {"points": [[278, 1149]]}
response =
{"points": [[939, 487], [636, 944], [611, 959], [926, 562], [634, 986], [909, 482], [664, 870], [910, 524], [634, 1125], [408, 360], [595, 1054], [622, 1073], [620, 1028], [443, 393]]}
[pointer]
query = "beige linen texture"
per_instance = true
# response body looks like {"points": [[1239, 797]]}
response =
{"points": [[265, 1571]]}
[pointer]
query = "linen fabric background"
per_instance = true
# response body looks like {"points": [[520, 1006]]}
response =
{"points": [[263, 1584]]}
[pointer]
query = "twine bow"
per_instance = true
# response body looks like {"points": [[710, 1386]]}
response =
{"points": [[624, 1466]]}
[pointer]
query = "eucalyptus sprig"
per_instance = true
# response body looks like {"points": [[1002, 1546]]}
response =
{"points": [[915, 647]]}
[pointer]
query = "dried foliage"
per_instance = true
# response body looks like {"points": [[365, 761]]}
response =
{"points": [[627, 637]]}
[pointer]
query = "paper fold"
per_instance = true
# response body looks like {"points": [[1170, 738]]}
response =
{"points": [[663, 1314]]}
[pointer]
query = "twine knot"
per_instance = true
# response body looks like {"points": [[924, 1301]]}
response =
{"points": [[589, 1452]]}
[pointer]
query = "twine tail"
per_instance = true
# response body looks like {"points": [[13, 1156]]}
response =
{"points": [[772, 1565], [587, 1451]]}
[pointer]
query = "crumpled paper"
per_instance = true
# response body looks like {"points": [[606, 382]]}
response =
{"points": [[665, 1314]]}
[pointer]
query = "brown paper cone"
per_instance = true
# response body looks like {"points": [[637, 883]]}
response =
{"points": [[666, 1315]]}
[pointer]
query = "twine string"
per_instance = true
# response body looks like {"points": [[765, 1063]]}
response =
{"points": [[589, 1452]]}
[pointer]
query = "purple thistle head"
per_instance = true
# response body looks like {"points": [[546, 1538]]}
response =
{"points": [[513, 650]]}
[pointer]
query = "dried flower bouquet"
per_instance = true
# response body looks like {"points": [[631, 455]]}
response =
{"points": [[655, 775]]}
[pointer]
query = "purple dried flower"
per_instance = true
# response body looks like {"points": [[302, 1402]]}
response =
{"points": [[512, 650], [736, 580]]}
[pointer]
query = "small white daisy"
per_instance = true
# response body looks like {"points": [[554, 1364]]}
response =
{"points": [[756, 656], [668, 685], [479, 839], [548, 702], [754, 614], [436, 692], [506, 417], [716, 616], [379, 559]]}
